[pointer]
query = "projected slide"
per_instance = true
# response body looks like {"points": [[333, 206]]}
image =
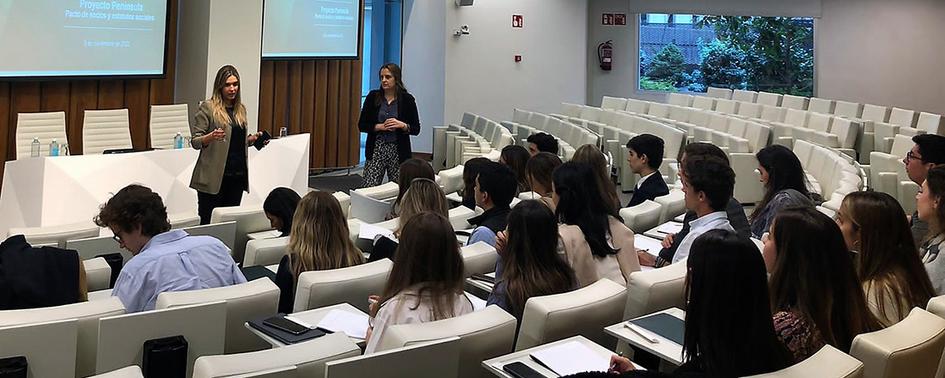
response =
{"points": [[311, 28], [82, 37]]}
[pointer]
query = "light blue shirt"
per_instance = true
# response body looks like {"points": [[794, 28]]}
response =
{"points": [[712, 221], [481, 234], [175, 261]]}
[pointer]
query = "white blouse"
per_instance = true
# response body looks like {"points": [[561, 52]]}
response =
{"points": [[405, 309]]}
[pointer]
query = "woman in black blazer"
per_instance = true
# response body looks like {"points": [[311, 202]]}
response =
{"points": [[389, 117]]}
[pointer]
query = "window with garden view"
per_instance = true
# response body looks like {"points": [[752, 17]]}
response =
{"points": [[688, 53]]}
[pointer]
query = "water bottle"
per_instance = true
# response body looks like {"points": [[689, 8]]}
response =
{"points": [[178, 141], [53, 148], [64, 149], [283, 132], [34, 148]]}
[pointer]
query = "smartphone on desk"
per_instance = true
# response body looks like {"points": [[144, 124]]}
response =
{"points": [[520, 370], [281, 323]]}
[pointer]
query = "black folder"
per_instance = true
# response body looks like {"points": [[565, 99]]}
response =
{"points": [[283, 336], [663, 324]]}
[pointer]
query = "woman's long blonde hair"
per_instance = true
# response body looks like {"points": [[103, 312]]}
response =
{"points": [[218, 105], [319, 238], [422, 195]]}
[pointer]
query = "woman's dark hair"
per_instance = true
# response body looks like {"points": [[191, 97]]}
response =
{"points": [[814, 278], [471, 170], [515, 157], [591, 155], [398, 80], [133, 206], [540, 169], [784, 172], [411, 169], [532, 266], [281, 203], [427, 255], [727, 280], [936, 182], [888, 259], [580, 203]]}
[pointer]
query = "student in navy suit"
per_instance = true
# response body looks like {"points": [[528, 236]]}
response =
{"points": [[645, 156]]}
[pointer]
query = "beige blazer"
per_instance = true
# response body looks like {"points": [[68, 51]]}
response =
{"points": [[589, 268], [208, 172]]}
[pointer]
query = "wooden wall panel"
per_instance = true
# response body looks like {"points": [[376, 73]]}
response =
{"points": [[321, 114]]}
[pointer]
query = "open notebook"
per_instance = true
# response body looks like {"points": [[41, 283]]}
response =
{"points": [[571, 357]]}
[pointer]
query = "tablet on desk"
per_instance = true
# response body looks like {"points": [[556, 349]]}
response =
{"points": [[663, 324]]}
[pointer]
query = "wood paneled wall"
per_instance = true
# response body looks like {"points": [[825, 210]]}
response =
{"points": [[320, 97]]}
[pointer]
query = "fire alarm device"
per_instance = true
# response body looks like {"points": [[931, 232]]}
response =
{"points": [[518, 58], [518, 21]]}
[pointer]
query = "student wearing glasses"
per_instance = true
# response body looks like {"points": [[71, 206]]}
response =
{"points": [[928, 151]]}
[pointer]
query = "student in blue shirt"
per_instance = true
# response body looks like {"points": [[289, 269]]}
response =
{"points": [[495, 188], [163, 259]]}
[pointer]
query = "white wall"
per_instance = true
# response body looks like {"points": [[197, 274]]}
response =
{"points": [[192, 42], [424, 64]]}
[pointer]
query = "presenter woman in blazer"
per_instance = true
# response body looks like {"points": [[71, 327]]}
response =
{"points": [[221, 174], [389, 117]]}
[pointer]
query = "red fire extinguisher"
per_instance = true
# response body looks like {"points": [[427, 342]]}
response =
{"points": [[605, 54]]}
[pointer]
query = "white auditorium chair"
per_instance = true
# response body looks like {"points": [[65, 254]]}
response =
{"points": [[47, 127], [794, 102], [265, 251], [937, 306], [121, 338], [848, 109], [703, 102], [223, 231], [656, 290], [905, 118], [451, 180], [585, 311], [642, 217], [458, 217], [345, 201], [98, 274], [828, 362], [613, 103], [719, 93], [183, 219], [483, 334], [930, 123], [86, 313], [244, 302], [58, 234], [352, 285], [248, 219], [726, 106], [743, 95], [678, 99], [105, 130], [166, 122], [308, 359], [821, 105], [479, 257], [769, 99], [89, 248], [672, 205], [49, 348], [386, 190], [911, 348], [132, 371], [435, 359]]}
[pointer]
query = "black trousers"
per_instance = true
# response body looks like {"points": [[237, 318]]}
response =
{"points": [[231, 194]]}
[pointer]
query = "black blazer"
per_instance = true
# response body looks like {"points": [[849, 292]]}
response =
{"points": [[406, 113], [33, 277], [653, 187]]}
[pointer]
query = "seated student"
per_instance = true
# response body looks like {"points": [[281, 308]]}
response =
{"points": [[495, 188], [728, 314], [426, 281], [815, 294], [279, 207], [531, 266], [410, 169], [645, 154], [888, 263], [785, 186], [33, 277], [931, 210], [423, 195], [164, 259], [595, 241], [319, 241], [515, 157], [734, 210], [928, 152], [539, 169], [470, 172], [542, 142], [589, 154]]}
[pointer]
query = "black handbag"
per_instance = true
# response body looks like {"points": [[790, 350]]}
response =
{"points": [[165, 357], [13, 367]]}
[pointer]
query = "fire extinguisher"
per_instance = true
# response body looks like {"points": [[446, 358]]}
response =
{"points": [[605, 54]]}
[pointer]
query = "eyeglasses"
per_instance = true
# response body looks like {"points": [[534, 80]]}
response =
{"points": [[116, 238], [910, 156]]}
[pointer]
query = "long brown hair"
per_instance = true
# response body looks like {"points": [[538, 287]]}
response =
{"points": [[888, 257], [218, 105], [410, 169], [427, 259], [531, 264], [591, 155], [539, 170], [814, 278], [319, 238], [423, 194]]}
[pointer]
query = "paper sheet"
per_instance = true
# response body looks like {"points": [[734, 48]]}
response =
{"points": [[570, 358], [369, 231], [669, 228], [477, 303], [648, 244], [353, 325]]}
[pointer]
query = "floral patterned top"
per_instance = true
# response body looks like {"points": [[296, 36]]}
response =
{"points": [[798, 335]]}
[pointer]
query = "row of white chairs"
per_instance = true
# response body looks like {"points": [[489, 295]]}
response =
{"points": [[831, 174], [475, 136], [887, 173], [101, 129], [570, 136]]}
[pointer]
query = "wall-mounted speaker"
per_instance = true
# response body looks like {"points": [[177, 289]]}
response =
{"points": [[464, 3]]}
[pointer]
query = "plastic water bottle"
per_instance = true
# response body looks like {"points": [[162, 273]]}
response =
{"points": [[53, 148], [34, 148], [64, 149], [283, 132], [178, 141]]}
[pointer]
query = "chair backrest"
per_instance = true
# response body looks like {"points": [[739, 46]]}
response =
{"points": [[386, 190], [828, 362], [483, 334], [902, 144], [132, 371], [641, 217], [726, 106], [769, 99], [57, 234], [931, 123], [743, 95], [49, 348], [352, 285], [479, 257], [91, 247], [45, 126], [183, 219], [265, 251], [903, 117], [848, 109], [166, 122], [637, 106], [368, 209], [911, 348], [251, 300], [749, 109], [821, 105], [703, 102], [875, 113], [585, 311], [719, 92], [121, 337], [937, 306], [658, 110], [818, 121], [846, 131], [773, 113], [105, 130], [437, 359], [794, 102], [86, 313], [613, 103], [469, 120], [248, 219], [656, 290], [679, 99], [797, 118], [224, 231], [673, 205], [307, 358]]}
